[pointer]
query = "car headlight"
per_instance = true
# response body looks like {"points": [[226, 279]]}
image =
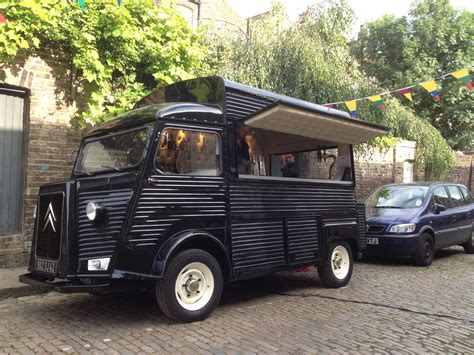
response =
{"points": [[93, 210], [403, 228]]}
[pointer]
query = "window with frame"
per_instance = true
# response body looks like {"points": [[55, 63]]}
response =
{"points": [[189, 152], [456, 198], [467, 195], [440, 196], [115, 151], [276, 154]]}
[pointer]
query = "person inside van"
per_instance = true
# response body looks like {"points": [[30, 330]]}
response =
{"points": [[291, 169], [243, 150]]}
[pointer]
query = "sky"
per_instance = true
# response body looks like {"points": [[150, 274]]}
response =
{"points": [[366, 10]]}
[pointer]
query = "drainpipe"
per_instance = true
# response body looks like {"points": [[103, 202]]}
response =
{"points": [[198, 3]]}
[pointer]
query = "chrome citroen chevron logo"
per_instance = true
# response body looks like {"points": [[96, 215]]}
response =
{"points": [[50, 218]]}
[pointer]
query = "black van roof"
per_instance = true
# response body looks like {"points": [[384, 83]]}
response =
{"points": [[238, 102]]}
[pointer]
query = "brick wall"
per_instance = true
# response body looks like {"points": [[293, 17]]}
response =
{"points": [[50, 139], [385, 167], [462, 171], [372, 171]]}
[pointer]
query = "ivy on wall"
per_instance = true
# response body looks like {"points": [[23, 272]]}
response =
{"points": [[118, 54]]}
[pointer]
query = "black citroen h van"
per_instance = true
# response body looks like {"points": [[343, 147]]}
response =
{"points": [[207, 181]]}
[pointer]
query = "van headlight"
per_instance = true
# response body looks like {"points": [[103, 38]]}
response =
{"points": [[94, 210], [403, 228], [98, 264]]}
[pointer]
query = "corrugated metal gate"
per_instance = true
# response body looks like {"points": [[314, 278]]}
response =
{"points": [[12, 105]]}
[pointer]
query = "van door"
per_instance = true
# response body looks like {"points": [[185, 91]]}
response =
{"points": [[185, 190]]}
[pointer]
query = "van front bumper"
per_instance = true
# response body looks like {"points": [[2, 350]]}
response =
{"points": [[393, 245], [66, 286]]}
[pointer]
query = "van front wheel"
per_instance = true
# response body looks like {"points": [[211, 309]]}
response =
{"points": [[337, 269], [191, 287]]}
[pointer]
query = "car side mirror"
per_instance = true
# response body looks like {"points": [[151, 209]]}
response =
{"points": [[437, 208]]}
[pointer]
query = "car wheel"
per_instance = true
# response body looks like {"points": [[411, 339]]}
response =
{"points": [[337, 270], [191, 286], [424, 255], [469, 245]]}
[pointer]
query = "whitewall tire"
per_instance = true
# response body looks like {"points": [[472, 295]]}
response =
{"points": [[336, 271], [191, 286]]}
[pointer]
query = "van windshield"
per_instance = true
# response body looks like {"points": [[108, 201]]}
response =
{"points": [[397, 197], [112, 152]]}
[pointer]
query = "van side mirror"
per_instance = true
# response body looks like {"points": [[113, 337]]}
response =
{"points": [[437, 208]]}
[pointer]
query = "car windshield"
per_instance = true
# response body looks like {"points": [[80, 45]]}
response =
{"points": [[397, 197], [112, 152]]}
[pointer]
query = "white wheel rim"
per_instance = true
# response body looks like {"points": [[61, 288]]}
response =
{"points": [[340, 262], [194, 286]]}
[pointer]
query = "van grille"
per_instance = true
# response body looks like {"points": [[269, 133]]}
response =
{"points": [[49, 225]]}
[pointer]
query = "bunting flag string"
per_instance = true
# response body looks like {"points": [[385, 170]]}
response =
{"points": [[429, 85], [352, 106], [376, 99], [463, 75], [405, 92]]}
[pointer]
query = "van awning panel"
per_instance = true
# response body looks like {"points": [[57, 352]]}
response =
{"points": [[296, 121]]}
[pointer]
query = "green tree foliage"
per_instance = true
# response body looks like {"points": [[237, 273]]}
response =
{"points": [[433, 40], [311, 60], [119, 53]]}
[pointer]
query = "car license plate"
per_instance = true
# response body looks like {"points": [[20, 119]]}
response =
{"points": [[373, 241], [46, 265]]}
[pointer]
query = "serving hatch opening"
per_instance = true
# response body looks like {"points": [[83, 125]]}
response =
{"points": [[286, 119]]}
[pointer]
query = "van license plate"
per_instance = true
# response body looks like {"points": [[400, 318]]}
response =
{"points": [[46, 265], [373, 241]]}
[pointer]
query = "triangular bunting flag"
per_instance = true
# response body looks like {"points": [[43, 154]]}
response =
{"points": [[405, 92], [431, 87], [329, 105], [119, 2], [2, 18], [81, 4], [463, 75], [376, 99], [352, 106], [157, 2]]}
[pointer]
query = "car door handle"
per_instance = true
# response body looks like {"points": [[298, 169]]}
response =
{"points": [[469, 215]]}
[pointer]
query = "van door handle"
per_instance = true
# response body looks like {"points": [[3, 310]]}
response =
{"points": [[152, 180], [469, 215]]}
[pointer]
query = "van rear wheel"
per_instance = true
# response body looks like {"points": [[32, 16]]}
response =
{"points": [[191, 287], [337, 270]]}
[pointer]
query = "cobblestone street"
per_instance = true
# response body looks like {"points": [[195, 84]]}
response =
{"points": [[389, 306]]}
